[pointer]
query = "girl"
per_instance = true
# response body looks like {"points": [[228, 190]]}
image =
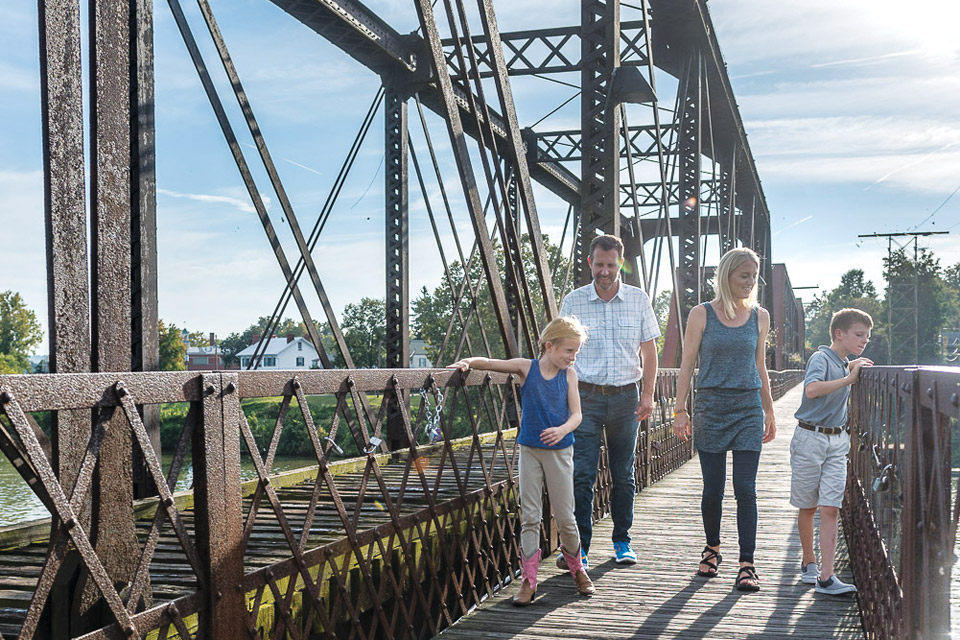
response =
{"points": [[733, 408], [551, 411]]}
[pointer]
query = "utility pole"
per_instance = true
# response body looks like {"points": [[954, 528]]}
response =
{"points": [[903, 296]]}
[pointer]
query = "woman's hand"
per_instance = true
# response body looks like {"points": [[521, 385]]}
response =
{"points": [[681, 425], [770, 426]]}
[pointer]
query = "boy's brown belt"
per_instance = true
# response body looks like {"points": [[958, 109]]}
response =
{"points": [[830, 431], [606, 389]]}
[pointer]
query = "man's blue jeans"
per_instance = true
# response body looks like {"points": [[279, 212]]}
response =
{"points": [[615, 415]]}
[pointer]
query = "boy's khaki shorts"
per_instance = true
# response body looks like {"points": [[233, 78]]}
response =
{"points": [[818, 465]]}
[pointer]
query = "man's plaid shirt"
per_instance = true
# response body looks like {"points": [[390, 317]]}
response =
{"points": [[615, 329]]}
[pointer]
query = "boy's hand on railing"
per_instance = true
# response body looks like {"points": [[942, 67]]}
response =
{"points": [[856, 365]]}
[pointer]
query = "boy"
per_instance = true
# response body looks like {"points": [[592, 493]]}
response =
{"points": [[818, 451]]}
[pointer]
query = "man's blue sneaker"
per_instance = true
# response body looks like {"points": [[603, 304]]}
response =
{"points": [[562, 563], [625, 554]]}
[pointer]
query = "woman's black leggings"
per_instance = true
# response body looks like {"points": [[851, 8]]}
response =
{"points": [[714, 469]]}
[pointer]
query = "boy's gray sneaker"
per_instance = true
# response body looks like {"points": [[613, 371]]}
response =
{"points": [[834, 587], [808, 573]]}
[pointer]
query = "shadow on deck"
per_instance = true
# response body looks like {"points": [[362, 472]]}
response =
{"points": [[660, 597]]}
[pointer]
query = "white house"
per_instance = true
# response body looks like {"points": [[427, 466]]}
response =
{"points": [[283, 353], [418, 355]]}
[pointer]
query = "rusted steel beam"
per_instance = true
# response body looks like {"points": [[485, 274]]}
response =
{"points": [[112, 145], [68, 288], [219, 506], [143, 220], [599, 125]]}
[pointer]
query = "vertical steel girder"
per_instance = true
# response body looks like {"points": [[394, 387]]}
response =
{"points": [[599, 119], [111, 143], [396, 145], [690, 148], [143, 223], [61, 87], [397, 221]]}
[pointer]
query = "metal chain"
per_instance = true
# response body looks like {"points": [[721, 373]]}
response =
{"points": [[432, 425]]}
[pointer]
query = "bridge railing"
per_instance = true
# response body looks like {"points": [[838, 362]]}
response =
{"points": [[900, 513], [381, 544]]}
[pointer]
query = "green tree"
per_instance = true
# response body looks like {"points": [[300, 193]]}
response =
{"points": [[20, 333], [172, 349], [661, 309], [432, 310], [937, 302], [364, 330]]}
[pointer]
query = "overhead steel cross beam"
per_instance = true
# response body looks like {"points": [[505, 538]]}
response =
{"points": [[403, 62]]}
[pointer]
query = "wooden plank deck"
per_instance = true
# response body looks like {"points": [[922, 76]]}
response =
{"points": [[660, 597]]}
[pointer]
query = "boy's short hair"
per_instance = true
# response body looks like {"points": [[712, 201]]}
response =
{"points": [[846, 318], [562, 328], [607, 242]]}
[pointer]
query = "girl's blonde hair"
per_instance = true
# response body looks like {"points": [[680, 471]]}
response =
{"points": [[566, 327], [728, 263]]}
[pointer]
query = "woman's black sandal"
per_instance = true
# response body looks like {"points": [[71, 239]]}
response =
{"points": [[706, 557], [751, 574]]}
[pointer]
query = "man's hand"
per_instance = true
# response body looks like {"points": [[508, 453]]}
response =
{"points": [[645, 408]]}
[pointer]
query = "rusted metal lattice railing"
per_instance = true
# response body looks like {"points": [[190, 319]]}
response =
{"points": [[899, 517], [395, 544]]}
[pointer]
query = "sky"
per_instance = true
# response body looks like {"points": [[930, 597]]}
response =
{"points": [[849, 108]]}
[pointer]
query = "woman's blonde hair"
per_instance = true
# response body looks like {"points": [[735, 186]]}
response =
{"points": [[728, 263], [566, 327]]}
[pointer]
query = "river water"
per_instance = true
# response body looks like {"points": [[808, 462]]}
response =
{"points": [[19, 504]]}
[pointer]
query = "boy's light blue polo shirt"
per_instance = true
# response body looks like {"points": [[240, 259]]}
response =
{"points": [[829, 410]]}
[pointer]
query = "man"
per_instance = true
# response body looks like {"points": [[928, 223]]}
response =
{"points": [[621, 330]]}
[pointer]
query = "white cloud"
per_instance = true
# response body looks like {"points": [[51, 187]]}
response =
{"points": [[238, 203]]}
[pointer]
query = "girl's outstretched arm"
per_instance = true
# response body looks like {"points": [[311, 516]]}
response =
{"points": [[516, 366]]}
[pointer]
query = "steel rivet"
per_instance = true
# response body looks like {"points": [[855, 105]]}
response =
{"points": [[6, 396], [266, 481], [121, 390], [129, 630], [955, 399], [219, 595], [168, 501], [240, 588], [172, 610], [351, 383], [70, 523], [231, 387], [269, 574], [929, 392], [296, 384], [210, 390]]}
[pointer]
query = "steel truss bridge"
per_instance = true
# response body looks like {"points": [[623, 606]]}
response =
{"points": [[407, 535]]}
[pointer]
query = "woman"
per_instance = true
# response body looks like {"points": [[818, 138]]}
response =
{"points": [[733, 408]]}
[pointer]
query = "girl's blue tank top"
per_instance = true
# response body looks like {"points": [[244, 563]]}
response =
{"points": [[544, 406]]}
